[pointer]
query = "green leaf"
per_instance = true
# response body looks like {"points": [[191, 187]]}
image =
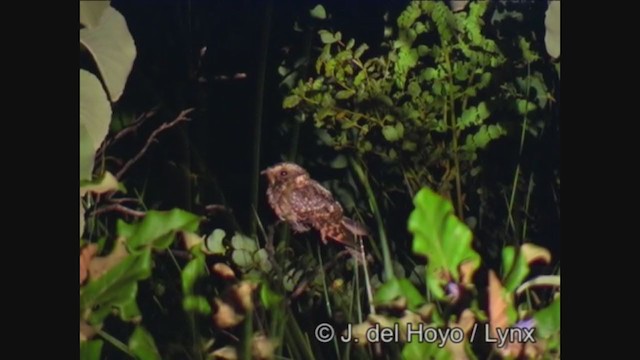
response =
{"points": [[414, 89], [214, 242], [197, 304], [241, 242], [142, 345], [242, 258], [340, 162], [291, 101], [443, 238], [117, 288], [326, 37], [344, 94], [268, 297], [483, 111], [95, 110], [390, 133], [318, 12], [399, 287], [548, 319], [91, 350], [525, 106], [113, 50], [516, 264], [552, 25], [468, 117], [158, 228], [409, 15], [194, 269], [400, 129], [360, 50], [429, 74], [350, 44]]}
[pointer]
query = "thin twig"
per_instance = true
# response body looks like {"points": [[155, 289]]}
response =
{"points": [[181, 117], [129, 129], [119, 208]]}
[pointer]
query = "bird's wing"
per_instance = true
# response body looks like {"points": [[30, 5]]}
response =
{"points": [[312, 203]]}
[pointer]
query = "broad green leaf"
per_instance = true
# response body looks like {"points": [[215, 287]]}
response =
{"points": [[87, 154], [262, 258], [214, 242], [268, 297], [419, 348], [241, 242], [399, 287], [113, 50], [242, 258], [95, 110], [318, 12], [326, 37], [194, 269], [158, 228], [482, 111], [443, 238], [117, 288], [344, 94], [197, 304], [390, 133], [429, 74], [552, 25], [525, 106], [516, 264], [548, 320], [91, 350], [142, 345], [91, 12], [290, 101]]}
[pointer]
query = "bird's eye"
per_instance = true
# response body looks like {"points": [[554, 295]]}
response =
{"points": [[283, 173]]}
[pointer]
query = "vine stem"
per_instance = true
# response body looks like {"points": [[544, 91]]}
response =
{"points": [[386, 253], [454, 129]]}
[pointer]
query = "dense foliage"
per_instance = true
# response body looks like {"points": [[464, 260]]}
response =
{"points": [[442, 138]]}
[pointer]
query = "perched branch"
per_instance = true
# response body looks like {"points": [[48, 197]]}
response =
{"points": [[119, 208], [181, 117]]}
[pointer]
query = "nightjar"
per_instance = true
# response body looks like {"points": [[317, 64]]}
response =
{"points": [[304, 204]]}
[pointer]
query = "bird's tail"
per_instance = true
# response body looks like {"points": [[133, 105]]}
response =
{"points": [[344, 232]]}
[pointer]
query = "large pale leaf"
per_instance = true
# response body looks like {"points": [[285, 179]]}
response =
{"points": [[112, 48], [445, 240], [142, 345], [95, 110], [91, 11], [87, 154], [106, 183], [552, 24]]}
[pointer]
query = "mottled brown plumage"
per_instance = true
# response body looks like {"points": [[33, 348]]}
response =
{"points": [[304, 204]]}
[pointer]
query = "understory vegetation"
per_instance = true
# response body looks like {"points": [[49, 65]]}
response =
{"points": [[437, 126]]}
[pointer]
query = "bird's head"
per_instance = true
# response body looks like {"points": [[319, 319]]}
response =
{"points": [[283, 172]]}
